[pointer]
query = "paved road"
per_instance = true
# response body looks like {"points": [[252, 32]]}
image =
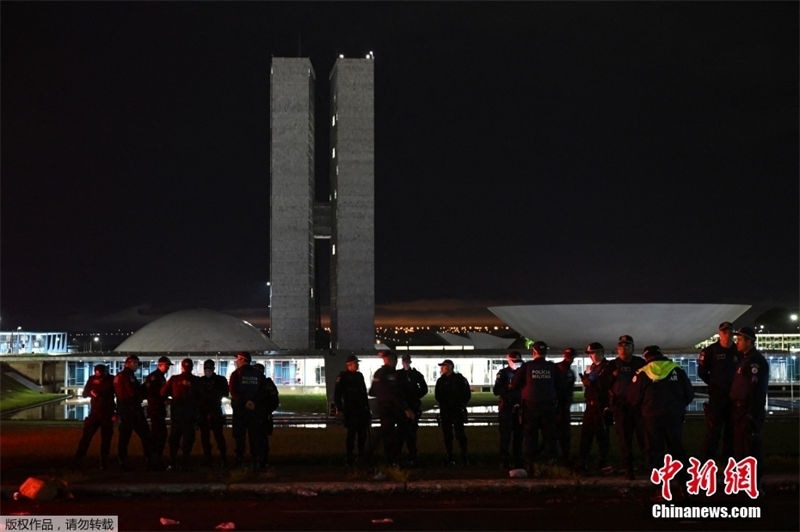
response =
{"points": [[374, 512]]}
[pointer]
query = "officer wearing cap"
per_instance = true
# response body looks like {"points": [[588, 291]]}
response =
{"points": [[100, 387], [565, 389], [184, 389], [213, 389], [716, 366], [414, 388], [537, 382], [508, 409], [662, 391], [453, 394], [352, 404], [130, 393], [749, 396], [248, 389], [157, 406], [392, 406], [596, 382], [627, 420]]}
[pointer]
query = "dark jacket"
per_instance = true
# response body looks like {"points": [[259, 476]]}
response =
{"points": [[386, 390], [413, 386], [507, 396], [623, 373], [537, 380], [213, 390], [102, 401], [184, 390], [566, 384], [716, 366], [452, 393], [153, 384], [248, 384], [350, 396], [128, 389], [749, 387], [597, 383], [661, 388]]}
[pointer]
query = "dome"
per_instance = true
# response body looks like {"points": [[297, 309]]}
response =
{"points": [[196, 331], [668, 325]]}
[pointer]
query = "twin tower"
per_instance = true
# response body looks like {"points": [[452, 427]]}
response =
{"points": [[347, 219]]}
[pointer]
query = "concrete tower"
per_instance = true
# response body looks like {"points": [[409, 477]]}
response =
{"points": [[353, 204], [348, 220], [292, 202]]}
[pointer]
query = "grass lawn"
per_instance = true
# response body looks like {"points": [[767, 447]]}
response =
{"points": [[13, 395]]}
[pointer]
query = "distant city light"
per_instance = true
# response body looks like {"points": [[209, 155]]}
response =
{"points": [[793, 317]]}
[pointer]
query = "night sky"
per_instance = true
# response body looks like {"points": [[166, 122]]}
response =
{"points": [[526, 153]]}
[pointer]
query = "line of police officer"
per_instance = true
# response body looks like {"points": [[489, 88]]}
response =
{"points": [[398, 395], [646, 397], [195, 402], [642, 397]]}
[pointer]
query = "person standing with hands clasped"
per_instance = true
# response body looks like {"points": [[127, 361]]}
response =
{"points": [[453, 393]]}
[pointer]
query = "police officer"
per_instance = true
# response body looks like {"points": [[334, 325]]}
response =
{"points": [[508, 409], [157, 406], [716, 366], [392, 406], [627, 420], [596, 382], [453, 394], [272, 402], [184, 389], [130, 393], [100, 387], [248, 389], [350, 397], [749, 396], [565, 389], [662, 391], [537, 381], [213, 388], [414, 388]]}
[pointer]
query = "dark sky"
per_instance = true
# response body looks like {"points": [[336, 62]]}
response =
{"points": [[526, 153]]}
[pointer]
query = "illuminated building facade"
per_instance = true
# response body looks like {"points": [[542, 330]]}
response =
{"points": [[348, 220]]}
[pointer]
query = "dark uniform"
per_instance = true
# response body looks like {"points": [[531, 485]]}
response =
{"points": [[391, 406], [596, 383], [184, 389], [716, 366], [508, 416], [272, 403], [248, 388], [749, 397], [627, 420], [157, 408], [565, 389], [537, 380], [414, 388], [100, 387], [130, 393], [213, 389], [453, 393], [662, 391], [350, 397]]}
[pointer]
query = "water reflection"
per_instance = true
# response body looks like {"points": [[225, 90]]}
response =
{"points": [[78, 409]]}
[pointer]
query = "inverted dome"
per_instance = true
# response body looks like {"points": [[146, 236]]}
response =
{"points": [[668, 325], [196, 331]]}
